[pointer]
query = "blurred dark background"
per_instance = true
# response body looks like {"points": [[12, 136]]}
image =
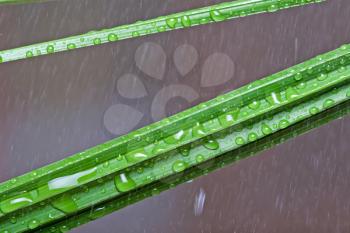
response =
{"points": [[54, 106]]}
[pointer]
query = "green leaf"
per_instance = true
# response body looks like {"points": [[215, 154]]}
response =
{"points": [[174, 145], [210, 14]]}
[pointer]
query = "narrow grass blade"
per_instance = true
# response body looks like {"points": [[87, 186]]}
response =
{"points": [[210, 14], [173, 145], [226, 159], [4, 2]]}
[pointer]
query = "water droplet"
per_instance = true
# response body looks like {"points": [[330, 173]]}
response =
{"points": [[179, 166], [155, 191], [291, 93], [283, 124], [97, 213], [50, 49], [310, 70], [135, 34], [97, 41], [124, 183], [301, 85], [313, 110], [161, 29], [112, 37], [33, 224], [13, 219], [272, 8], [65, 203], [228, 119], [158, 148], [199, 158], [186, 21], [322, 77], [344, 47], [120, 157], [254, 105], [106, 164], [274, 98], [217, 16], [69, 181], [211, 144], [16, 202], [64, 228], [139, 170], [136, 156], [239, 141], [204, 20], [342, 61], [252, 137], [149, 178], [342, 69], [71, 46], [266, 129], [198, 130], [29, 54], [171, 22], [176, 137], [328, 103], [242, 14], [185, 150], [298, 76]]}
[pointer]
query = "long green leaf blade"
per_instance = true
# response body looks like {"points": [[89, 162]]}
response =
{"points": [[155, 188], [173, 145], [3, 2], [210, 14]]}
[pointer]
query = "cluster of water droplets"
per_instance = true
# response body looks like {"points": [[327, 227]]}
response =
{"points": [[216, 13], [306, 82]]}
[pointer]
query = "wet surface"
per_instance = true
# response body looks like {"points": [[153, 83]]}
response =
{"points": [[55, 106]]}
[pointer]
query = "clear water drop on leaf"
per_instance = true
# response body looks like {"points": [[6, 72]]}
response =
{"points": [[124, 183], [65, 203], [211, 144], [179, 166], [33, 224], [171, 22]]}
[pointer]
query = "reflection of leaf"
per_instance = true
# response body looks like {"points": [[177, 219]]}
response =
{"points": [[120, 119], [217, 70], [151, 59], [130, 86], [185, 58]]}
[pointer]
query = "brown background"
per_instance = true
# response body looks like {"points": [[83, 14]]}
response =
{"points": [[52, 107]]}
